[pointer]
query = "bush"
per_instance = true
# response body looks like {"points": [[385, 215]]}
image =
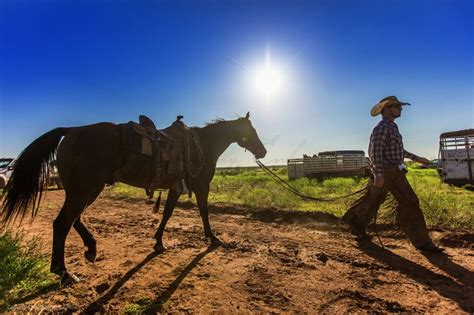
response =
{"points": [[23, 269]]}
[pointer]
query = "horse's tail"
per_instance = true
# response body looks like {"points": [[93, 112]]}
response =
{"points": [[30, 174]]}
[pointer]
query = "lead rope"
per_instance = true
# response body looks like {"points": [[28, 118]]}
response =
{"points": [[193, 166], [377, 207], [292, 189], [375, 218], [295, 191]]}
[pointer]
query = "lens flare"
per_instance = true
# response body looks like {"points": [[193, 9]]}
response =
{"points": [[268, 79]]}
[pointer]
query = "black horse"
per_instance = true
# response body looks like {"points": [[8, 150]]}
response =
{"points": [[90, 156]]}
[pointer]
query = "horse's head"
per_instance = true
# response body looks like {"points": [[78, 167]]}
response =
{"points": [[248, 139]]}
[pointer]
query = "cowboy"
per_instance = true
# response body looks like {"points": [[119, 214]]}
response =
{"points": [[386, 154]]}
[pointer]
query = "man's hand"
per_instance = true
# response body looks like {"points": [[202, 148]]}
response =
{"points": [[378, 182], [423, 161]]}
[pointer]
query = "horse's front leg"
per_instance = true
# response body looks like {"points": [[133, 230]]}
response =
{"points": [[201, 197], [171, 201]]}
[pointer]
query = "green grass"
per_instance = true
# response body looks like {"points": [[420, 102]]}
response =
{"points": [[133, 308], [442, 204], [137, 307], [23, 270]]}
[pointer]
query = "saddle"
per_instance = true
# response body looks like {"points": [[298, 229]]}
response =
{"points": [[165, 149]]}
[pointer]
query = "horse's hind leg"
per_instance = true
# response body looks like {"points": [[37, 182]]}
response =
{"points": [[87, 237], [73, 206], [171, 201], [69, 213]]}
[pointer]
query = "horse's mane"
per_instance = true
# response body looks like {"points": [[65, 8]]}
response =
{"points": [[218, 121], [214, 122]]}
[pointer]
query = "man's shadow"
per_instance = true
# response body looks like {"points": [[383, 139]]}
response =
{"points": [[461, 293], [461, 274]]}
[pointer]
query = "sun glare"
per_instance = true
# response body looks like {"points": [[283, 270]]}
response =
{"points": [[268, 79]]}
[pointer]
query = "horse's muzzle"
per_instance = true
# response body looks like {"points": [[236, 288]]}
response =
{"points": [[260, 154]]}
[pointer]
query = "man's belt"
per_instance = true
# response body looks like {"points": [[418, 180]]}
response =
{"points": [[400, 167]]}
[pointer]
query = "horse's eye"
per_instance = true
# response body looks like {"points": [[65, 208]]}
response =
{"points": [[244, 139]]}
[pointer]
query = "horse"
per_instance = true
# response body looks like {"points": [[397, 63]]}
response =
{"points": [[88, 157]]}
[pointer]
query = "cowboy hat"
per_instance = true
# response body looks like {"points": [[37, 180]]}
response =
{"points": [[386, 101]]}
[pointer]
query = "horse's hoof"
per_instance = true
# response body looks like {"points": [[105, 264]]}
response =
{"points": [[216, 242], [68, 279], [90, 256], [58, 270], [159, 248]]}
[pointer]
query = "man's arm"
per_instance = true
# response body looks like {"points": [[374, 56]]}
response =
{"points": [[379, 140], [415, 158]]}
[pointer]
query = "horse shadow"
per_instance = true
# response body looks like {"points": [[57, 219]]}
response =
{"points": [[97, 305], [460, 291], [157, 306], [41, 291]]}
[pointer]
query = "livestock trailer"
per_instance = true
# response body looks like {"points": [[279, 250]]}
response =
{"points": [[456, 157], [8, 164], [5, 171], [342, 163]]}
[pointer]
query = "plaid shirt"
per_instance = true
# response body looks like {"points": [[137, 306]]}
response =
{"points": [[386, 147]]}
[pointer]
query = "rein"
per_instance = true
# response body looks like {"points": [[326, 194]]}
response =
{"points": [[295, 191]]}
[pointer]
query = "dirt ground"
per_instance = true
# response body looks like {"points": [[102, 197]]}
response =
{"points": [[272, 261]]}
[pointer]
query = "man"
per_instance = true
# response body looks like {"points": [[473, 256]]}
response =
{"points": [[386, 153]]}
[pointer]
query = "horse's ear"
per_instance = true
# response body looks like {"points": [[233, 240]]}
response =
{"points": [[248, 115]]}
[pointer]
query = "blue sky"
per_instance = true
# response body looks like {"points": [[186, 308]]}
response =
{"points": [[69, 63]]}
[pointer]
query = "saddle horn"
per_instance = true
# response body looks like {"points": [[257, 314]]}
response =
{"points": [[145, 121]]}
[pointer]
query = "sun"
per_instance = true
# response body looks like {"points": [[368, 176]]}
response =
{"points": [[268, 78]]}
